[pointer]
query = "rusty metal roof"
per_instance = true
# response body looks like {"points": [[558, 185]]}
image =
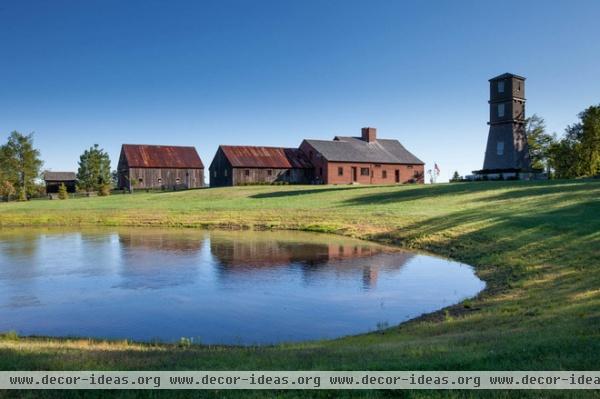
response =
{"points": [[265, 157], [59, 176], [161, 156]]}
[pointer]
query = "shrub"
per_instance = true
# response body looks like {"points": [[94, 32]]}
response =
{"points": [[104, 190], [62, 192]]}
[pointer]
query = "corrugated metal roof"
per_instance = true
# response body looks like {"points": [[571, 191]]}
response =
{"points": [[59, 176], [355, 149], [161, 156], [265, 157]]}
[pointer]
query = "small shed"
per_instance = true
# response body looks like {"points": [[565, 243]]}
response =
{"points": [[240, 165], [170, 167], [53, 181]]}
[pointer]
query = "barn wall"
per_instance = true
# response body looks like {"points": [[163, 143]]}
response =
{"points": [[220, 171], [163, 178], [263, 175]]}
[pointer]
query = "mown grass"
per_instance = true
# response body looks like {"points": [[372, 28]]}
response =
{"points": [[536, 244]]}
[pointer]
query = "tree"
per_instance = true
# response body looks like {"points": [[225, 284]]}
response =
{"points": [[590, 141], [20, 164], [94, 169], [62, 192], [577, 154], [539, 142], [456, 177]]}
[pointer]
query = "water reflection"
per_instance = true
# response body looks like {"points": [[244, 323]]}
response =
{"points": [[223, 287]]}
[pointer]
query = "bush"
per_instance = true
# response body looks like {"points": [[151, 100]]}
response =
{"points": [[104, 190], [62, 192]]}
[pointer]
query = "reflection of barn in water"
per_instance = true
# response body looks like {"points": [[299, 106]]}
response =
{"points": [[158, 259], [240, 258]]}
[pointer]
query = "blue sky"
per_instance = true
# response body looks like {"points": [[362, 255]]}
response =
{"points": [[205, 73]]}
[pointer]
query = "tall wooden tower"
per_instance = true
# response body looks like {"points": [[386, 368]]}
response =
{"points": [[507, 152]]}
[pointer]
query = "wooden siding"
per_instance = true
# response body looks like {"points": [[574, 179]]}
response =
{"points": [[161, 178]]}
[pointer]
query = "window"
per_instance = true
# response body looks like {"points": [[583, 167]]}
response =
{"points": [[364, 172], [500, 148], [500, 86], [159, 180], [246, 172], [269, 172], [140, 180], [519, 87], [340, 171], [215, 173], [500, 110], [384, 174], [225, 173]]}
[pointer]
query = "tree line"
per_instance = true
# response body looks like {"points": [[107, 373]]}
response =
{"points": [[21, 170]]}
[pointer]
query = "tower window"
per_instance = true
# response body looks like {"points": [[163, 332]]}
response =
{"points": [[500, 110], [500, 86], [500, 148]]}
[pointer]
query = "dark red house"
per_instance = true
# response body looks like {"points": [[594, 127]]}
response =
{"points": [[364, 160]]}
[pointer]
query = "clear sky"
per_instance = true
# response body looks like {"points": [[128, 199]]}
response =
{"points": [[205, 73]]}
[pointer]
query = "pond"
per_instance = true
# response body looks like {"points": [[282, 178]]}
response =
{"points": [[215, 287]]}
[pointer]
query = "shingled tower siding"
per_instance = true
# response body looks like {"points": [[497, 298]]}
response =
{"points": [[507, 149]]}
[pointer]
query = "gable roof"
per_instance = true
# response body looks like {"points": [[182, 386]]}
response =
{"points": [[355, 149], [265, 157], [161, 156], [59, 176]]}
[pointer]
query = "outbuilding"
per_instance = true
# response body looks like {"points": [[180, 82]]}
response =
{"points": [[240, 165], [166, 167], [53, 181]]}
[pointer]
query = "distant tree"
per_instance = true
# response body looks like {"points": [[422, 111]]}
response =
{"points": [[94, 169], [456, 177], [539, 142], [20, 164], [62, 192]]}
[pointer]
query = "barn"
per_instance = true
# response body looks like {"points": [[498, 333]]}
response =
{"points": [[240, 165], [165, 167], [364, 160], [53, 181]]}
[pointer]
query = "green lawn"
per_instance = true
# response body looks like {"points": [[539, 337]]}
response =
{"points": [[536, 244]]}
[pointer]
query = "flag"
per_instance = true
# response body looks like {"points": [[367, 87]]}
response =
{"points": [[437, 169]]}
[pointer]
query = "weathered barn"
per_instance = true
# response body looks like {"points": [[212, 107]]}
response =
{"points": [[365, 160], [159, 167], [239, 165], [53, 181]]}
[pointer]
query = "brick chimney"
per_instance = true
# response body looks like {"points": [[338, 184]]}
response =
{"points": [[369, 134]]}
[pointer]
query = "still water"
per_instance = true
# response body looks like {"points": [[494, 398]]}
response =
{"points": [[215, 287]]}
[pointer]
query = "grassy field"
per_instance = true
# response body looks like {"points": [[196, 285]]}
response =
{"points": [[536, 244]]}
